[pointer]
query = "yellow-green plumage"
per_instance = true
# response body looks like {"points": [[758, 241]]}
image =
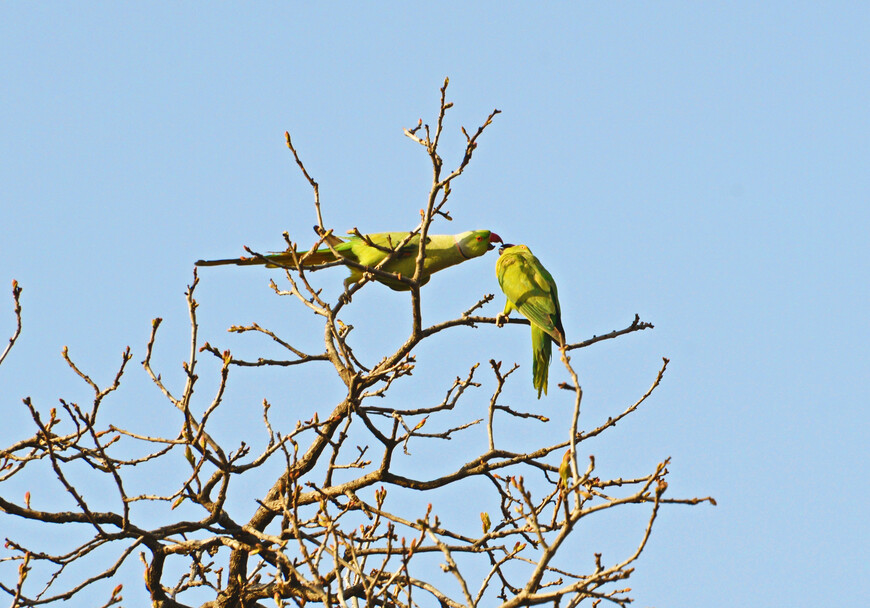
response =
{"points": [[442, 251], [531, 290]]}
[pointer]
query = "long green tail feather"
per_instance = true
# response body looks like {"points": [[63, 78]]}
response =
{"points": [[236, 261], [272, 260], [542, 349]]}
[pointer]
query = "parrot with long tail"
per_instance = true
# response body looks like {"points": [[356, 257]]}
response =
{"points": [[531, 290], [442, 251]]}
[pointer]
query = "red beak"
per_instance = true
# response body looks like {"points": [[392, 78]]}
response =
{"points": [[493, 238]]}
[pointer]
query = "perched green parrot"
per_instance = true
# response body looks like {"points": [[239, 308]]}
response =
{"points": [[442, 251], [531, 290]]}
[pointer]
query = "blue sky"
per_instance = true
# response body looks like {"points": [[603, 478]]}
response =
{"points": [[704, 165]]}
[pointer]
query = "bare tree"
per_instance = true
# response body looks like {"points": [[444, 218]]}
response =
{"points": [[334, 526]]}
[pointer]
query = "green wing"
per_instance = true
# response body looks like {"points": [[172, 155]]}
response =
{"points": [[375, 247]]}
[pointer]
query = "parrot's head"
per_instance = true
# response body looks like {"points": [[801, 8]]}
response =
{"points": [[516, 248], [476, 242]]}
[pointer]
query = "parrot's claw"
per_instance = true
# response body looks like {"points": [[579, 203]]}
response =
{"points": [[500, 319], [348, 283]]}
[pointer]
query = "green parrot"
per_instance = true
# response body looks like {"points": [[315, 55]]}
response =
{"points": [[531, 290], [442, 251]]}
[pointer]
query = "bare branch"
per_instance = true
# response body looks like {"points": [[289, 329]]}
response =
{"points": [[311, 181], [16, 297]]}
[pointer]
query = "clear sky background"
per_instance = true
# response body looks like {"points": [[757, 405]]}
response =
{"points": [[706, 165]]}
